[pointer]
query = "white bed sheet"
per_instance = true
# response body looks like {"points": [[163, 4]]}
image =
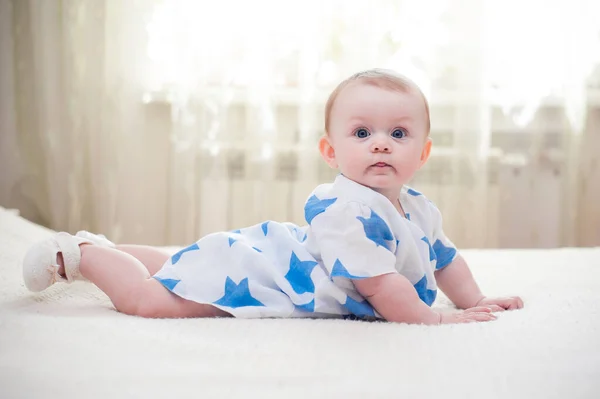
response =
{"points": [[69, 342]]}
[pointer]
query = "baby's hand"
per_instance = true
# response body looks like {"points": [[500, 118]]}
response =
{"points": [[478, 313], [501, 304]]}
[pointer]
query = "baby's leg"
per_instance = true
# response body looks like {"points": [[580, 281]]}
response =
{"points": [[131, 289], [153, 258]]}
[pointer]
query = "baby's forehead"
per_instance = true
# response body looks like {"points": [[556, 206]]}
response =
{"points": [[358, 95], [354, 103], [344, 95]]}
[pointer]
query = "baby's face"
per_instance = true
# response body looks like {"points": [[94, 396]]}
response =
{"points": [[379, 136]]}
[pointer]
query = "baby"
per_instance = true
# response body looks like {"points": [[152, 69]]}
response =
{"points": [[373, 248]]}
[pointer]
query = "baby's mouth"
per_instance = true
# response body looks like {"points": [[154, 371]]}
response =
{"points": [[380, 165]]}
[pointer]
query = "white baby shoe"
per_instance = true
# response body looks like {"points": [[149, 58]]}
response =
{"points": [[98, 239], [40, 265]]}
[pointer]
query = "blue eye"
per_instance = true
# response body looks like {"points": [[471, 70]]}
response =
{"points": [[362, 133], [398, 133]]}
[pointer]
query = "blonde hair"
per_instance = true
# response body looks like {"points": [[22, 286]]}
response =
{"points": [[383, 78]]}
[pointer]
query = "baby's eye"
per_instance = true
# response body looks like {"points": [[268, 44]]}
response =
{"points": [[398, 133], [362, 133]]}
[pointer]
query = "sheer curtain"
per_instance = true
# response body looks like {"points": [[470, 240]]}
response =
{"points": [[161, 121]]}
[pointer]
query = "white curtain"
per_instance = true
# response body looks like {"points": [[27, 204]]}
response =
{"points": [[160, 121]]}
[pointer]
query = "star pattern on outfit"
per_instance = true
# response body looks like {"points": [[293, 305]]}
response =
{"points": [[175, 258], [237, 295], [168, 282], [362, 309], [315, 206], [376, 229], [265, 228], [303, 286], [444, 254], [299, 274], [432, 255], [339, 270], [308, 307], [426, 295]]}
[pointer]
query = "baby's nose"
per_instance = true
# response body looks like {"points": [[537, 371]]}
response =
{"points": [[379, 145]]}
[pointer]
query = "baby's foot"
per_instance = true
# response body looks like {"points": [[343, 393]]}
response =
{"points": [[55, 259], [98, 239]]}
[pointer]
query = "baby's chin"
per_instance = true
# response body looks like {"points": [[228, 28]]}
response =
{"points": [[382, 183]]}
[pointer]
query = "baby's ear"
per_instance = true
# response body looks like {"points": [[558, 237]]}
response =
{"points": [[327, 151], [426, 151]]}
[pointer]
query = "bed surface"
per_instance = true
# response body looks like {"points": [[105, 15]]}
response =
{"points": [[69, 342]]}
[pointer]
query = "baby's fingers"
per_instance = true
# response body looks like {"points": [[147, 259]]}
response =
{"points": [[479, 309], [477, 316], [468, 317], [511, 303], [518, 303]]}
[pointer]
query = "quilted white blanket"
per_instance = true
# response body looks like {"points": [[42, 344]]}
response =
{"points": [[68, 342]]}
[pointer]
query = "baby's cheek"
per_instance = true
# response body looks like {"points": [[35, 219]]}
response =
{"points": [[408, 168]]}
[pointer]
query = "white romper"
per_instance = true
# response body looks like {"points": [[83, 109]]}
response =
{"points": [[277, 269]]}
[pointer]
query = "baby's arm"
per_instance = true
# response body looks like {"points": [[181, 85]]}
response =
{"points": [[395, 299], [453, 276], [457, 282]]}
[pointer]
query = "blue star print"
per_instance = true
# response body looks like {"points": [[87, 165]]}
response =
{"points": [[427, 296], [432, 255], [359, 308], [237, 295], [175, 258], [413, 192], [376, 229], [299, 275], [265, 228], [231, 241], [314, 206], [168, 282], [339, 270], [444, 254], [309, 307]]}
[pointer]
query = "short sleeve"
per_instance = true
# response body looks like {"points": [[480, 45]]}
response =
{"points": [[354, 241], [445, 250]]}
